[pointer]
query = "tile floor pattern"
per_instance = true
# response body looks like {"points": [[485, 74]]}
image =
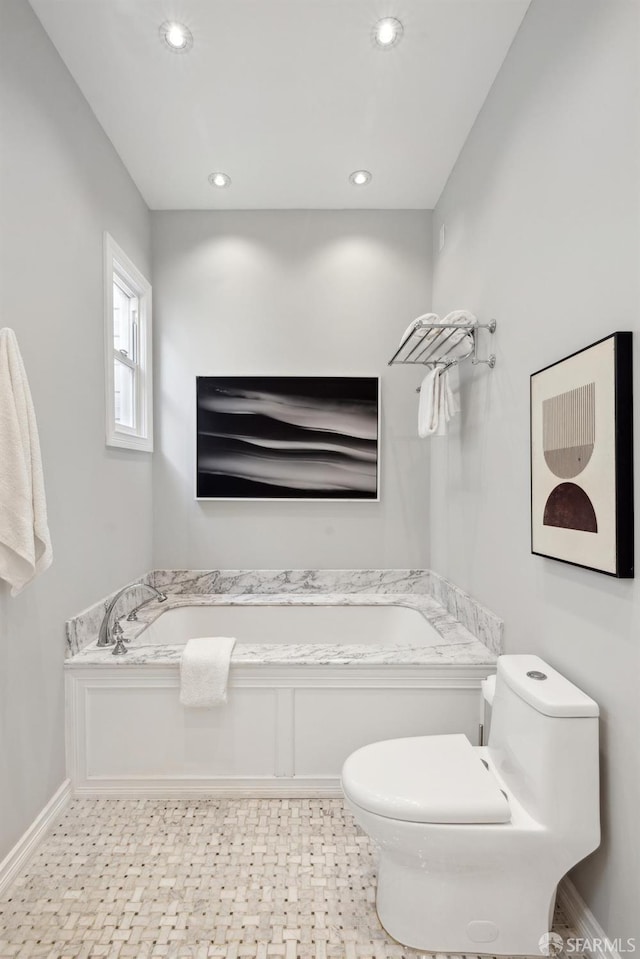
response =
{"points": [[183, 879]]}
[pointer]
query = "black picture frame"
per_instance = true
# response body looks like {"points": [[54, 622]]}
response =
{"points": [[581, 428], [288, 438]]}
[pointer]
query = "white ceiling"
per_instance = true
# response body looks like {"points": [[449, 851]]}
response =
{"points": [[286, 96]]}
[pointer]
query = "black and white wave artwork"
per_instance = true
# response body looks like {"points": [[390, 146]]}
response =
{"points": [[287, 437]]}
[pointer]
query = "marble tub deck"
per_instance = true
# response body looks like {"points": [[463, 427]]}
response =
{"points": [[454, 644]]}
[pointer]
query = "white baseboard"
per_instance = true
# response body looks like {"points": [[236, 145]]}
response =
{"points": [[223, 787], [580, 917], [18, 857]]}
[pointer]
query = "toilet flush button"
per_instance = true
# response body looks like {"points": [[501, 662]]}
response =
{"points": [[481, 930], [536, 674]]}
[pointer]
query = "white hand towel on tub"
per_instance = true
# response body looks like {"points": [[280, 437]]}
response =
{"points": [[25, 544], [204, 670]]}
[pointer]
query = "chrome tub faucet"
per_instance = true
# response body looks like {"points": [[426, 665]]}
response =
{"points": [[111, 633]]}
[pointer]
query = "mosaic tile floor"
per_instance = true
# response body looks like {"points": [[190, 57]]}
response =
{"points": [[153, 879]]}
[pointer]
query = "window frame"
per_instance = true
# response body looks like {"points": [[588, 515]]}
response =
{"points": [[140, 437]]}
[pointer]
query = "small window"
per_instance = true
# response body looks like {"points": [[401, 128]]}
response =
{"points": [[127, 351]]}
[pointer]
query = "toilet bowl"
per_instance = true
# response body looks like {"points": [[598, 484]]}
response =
{"points": [[473, 841]]}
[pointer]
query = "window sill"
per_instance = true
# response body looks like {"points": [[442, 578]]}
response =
{"points": [[143, 444]]}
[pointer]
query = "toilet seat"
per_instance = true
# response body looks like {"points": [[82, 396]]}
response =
{"points": [[425, 779]]}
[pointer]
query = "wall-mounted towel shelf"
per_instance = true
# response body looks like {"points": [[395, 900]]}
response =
{"points": [[443, 344]]}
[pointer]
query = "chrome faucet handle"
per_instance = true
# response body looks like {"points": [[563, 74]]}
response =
{"points": [[161, 597], [120, 648]]}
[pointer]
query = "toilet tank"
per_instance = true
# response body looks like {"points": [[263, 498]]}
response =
{"points": [[544, 744]]}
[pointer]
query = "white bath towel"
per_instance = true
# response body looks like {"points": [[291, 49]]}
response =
{"points": [[437, 403], [428, 403], [25, 543], [204, 671], [420, 333], [459, 343]]}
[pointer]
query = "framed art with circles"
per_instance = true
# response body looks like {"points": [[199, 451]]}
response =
{"points": [[582, 458]]}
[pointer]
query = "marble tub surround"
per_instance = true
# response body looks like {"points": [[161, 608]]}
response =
{"points": [[472, 653], [83, 628], [230, 581], [452, 644], [421, 588], [479, 620]]}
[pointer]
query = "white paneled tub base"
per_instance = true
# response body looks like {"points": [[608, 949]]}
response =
{"points": [[285, 730]]}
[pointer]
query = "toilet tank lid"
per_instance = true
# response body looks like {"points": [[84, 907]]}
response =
{"points": [[552, 695]]}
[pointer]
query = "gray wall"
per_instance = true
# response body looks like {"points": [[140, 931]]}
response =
{"points": [[542, 232], [542, 227], [288, 293], [61, 185]]}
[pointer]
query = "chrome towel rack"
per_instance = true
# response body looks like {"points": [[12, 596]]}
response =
{"points": [[429, 344]]}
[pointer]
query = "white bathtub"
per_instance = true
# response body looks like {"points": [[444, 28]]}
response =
{"points": [[309, 683], [284, 624]]}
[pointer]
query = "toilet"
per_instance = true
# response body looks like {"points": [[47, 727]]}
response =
{"points": [[473, 840]]}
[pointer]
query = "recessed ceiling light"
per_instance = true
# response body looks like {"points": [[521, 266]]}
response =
{"points": [[177, 37], [360, 177], [388, 32], [219, 179]]}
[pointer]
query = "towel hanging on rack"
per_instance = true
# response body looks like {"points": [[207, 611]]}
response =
{"points": [[437, 403], [440, 345]]}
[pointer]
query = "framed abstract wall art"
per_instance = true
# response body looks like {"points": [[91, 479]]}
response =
{"points": [[582, 458], [288, 437]]}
